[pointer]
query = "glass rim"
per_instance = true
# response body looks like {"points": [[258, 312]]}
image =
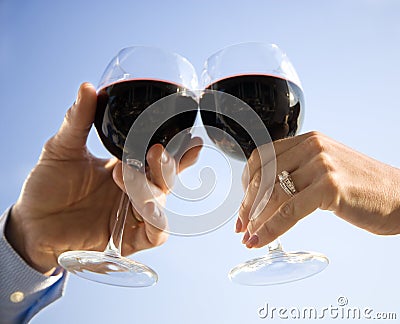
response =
{"points": [[292, 76], [128, 50]]}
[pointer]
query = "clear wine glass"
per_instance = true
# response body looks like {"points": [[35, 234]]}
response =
{"points": [[135, 78], [263, 77]]}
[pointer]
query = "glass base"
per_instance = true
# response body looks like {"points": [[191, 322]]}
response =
{"points": [[278, 267], [108, 269]]}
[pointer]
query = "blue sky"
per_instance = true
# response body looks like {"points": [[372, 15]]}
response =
{"points": [[346, 54]]}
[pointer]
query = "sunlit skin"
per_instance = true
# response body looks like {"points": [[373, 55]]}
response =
{"points": [[70, 198], [328, 175]]}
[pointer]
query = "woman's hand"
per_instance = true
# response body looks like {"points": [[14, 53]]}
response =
{"points": [[327, 175]]}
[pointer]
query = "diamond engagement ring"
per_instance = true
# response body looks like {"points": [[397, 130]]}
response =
{"points": [[286, 182]]}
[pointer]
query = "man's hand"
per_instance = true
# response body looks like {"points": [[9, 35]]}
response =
{"points": [[70, 199]]}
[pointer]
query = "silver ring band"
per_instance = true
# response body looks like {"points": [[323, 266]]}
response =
{"points": [[286, 183]]}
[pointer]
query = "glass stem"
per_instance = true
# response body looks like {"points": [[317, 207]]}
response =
{"points": [[275, 247], [114, 245]]}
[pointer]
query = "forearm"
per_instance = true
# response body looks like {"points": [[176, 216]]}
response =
{"points": [[24, 291]]}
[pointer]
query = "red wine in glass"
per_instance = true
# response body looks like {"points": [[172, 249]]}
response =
{"points": [[120, 103], [278, 102]]}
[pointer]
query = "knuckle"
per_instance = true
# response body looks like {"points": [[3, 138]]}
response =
{"points": [[49, 145], [324, 163], [51, 149], [251, 191], [159, 239], [254, 157], [315, 143], [268, 232], [330, 181], [275, 196], [255, 182], [314, 133], [286, 211], [68, 115], [244, 210], [331, 188], [246, 202], [253, 225]]}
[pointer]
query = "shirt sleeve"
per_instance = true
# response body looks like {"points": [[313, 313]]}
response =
{"points": [[23, 290]]}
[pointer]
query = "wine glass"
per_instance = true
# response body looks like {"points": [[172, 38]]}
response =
{"points": [[263, 77], [135, 78]]}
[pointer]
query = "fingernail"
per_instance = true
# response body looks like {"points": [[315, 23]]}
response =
{"points": [[150, 210], [157, 212], [78, 97], [246, 237], [238, 225], [134, 163], [164, 157], [154, 211], [253, 241]]}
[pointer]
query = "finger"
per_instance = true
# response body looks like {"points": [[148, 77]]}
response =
{"points": [[78, 120], [118, 176], [259, 157], [308, 175], [288, 146], [255, 191], [135, 181], [258, 191], [138, 187], [291, 161], [190, 155], [147, 234], [247, 202], [288, 214], [162, 167], [155, 224]]}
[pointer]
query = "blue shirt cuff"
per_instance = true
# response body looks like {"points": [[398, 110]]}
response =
{"points": [[23, 290]]}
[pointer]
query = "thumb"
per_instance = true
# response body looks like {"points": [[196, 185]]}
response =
{"points": [[78, 120]]}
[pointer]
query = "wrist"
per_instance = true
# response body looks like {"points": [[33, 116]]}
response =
{"points": [[16, 237]]}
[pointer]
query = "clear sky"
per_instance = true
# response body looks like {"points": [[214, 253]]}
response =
{"points": [[347, 56]]}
